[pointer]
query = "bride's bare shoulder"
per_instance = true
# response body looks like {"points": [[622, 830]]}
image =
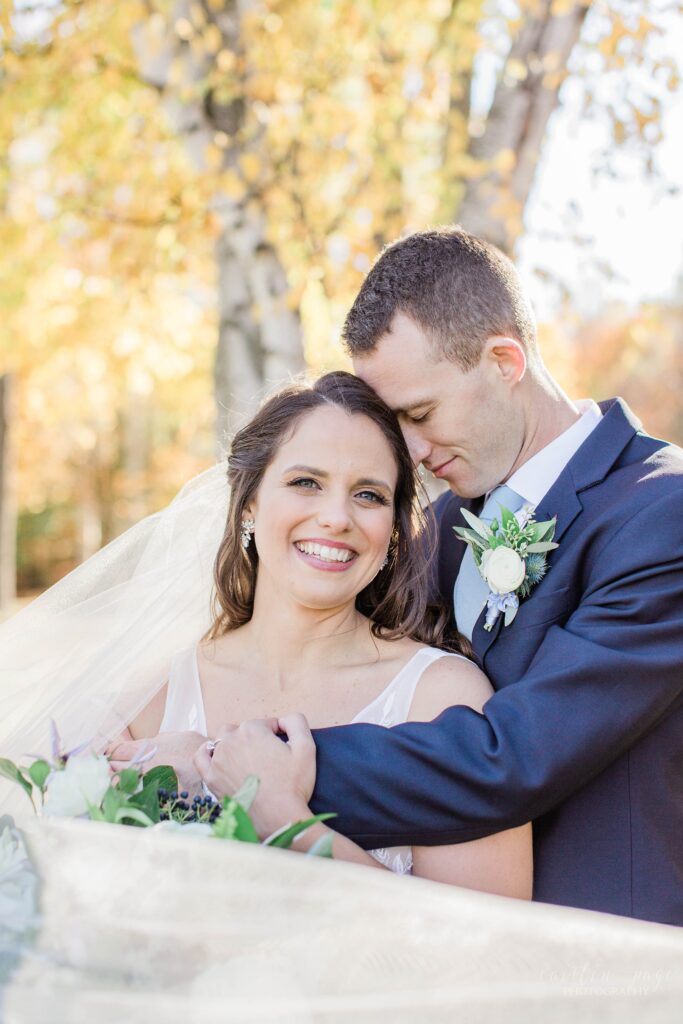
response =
{"points": [[446, 682]]}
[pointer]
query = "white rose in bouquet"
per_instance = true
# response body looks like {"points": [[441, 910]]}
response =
{"points": [[503, 570], [79, 786]]}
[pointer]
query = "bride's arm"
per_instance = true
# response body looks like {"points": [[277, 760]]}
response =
{"points": [[286, 773], [501, 863]]}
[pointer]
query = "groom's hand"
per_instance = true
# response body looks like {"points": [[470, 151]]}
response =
{"points": [[174, 748], [286, 771]]}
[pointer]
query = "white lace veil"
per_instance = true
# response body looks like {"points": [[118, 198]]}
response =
{"points": [[94, 649]]}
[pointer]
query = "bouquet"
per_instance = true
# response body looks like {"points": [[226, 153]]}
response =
{"points": [[81, 784]]}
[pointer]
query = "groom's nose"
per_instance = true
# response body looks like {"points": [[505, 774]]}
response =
{"points": [[419, 448]]}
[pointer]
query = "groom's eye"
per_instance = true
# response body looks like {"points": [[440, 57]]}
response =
{"points": [[419, 419]]}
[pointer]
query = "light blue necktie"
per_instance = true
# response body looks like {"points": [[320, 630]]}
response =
{"points": [[471, 591]]}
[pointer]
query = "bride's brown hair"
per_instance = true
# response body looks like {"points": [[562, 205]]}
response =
{"points": [[396, 599]]}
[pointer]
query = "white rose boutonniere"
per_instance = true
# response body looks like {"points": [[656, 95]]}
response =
{"points": [[503, 570], [510, 555]]}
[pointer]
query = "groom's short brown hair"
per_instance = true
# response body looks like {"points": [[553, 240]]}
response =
{"points": [[458, 288]]}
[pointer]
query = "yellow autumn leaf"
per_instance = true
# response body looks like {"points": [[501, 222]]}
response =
{"points": [[250, 165], [213, 155], [212, 38], [232, 184]]}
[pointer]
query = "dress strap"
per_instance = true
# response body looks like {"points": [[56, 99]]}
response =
{"points": [[392, 706], [184, 705]]}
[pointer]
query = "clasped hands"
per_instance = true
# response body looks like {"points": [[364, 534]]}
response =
{"points": [[285, 770]]}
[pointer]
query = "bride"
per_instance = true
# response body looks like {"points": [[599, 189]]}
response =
{"points": [[321, 608]]}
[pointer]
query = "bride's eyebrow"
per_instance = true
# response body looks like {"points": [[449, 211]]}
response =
{"points": [[306, 469], [369, 482]]}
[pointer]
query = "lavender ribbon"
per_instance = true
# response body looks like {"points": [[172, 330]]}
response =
{"points": [[497, 603]]}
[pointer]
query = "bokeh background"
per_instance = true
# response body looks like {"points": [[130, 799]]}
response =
{"points": [[191, 193]]}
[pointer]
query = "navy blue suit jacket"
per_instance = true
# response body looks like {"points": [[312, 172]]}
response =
{"points": [[584, 735]]}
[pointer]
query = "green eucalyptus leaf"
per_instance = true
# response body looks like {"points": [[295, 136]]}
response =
{"points": [[322, 847], [234, 823], [545, 545], [128, 780], [39, 772], [147, 801], [546, 529], [244, 826], [510, 615], [470, 537], [507, 517], [247, 792], [111, 803], [225, 825], [132, 814], [286, 836], [163, 776], [477, 525], [9, 770]]}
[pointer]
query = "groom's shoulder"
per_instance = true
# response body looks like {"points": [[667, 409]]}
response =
{"points": [[654, 465], [623, 460], [643, 485]]}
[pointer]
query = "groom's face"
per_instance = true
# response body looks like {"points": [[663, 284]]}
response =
{"points": [[465, 427]]}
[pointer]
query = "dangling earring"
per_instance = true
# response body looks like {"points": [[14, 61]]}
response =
{"points": [[248, 527], [385, 563]]}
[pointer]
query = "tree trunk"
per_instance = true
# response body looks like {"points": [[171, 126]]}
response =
{"points": [[8, 503], [259, 342], [510, 145]]}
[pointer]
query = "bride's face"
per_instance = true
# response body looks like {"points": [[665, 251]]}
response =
{"points": [[324, 511]]}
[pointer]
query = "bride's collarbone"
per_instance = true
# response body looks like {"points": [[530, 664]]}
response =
{"points": [[327, 695]]}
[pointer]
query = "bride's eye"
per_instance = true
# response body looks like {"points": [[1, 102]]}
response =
{"points": [[306, 482], [373, 496]]}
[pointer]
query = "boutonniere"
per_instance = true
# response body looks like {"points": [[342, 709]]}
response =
{"points": [[510, 554]]}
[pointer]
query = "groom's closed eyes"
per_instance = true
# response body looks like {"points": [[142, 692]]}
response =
{"points": [[417, 412]]}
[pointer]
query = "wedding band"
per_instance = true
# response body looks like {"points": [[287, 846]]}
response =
{"points": [[211, 745]]}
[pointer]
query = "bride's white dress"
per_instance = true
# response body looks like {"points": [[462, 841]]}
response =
{"points": [[185, 711]]}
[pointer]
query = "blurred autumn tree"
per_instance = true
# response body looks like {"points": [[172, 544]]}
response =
{"points": [[195, 190], [636, 355]]}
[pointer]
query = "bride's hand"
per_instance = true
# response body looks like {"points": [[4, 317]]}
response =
{"points": [[174, 748], [286, 771]]}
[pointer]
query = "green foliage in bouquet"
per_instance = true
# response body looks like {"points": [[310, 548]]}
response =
{"points": [[82, 785]]}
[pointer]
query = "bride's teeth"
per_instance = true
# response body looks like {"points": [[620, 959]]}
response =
{"points": [[326, 554]]}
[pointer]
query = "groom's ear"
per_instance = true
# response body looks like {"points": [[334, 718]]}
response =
{"points": [[509, 357]]}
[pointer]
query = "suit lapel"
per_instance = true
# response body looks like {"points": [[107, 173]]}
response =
{"points": [[590, 465]]}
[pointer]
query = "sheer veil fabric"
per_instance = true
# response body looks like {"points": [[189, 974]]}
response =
{"points": [[95, 648]]}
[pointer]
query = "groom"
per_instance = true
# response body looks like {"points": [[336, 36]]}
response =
{"points": [[585, 732]]}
